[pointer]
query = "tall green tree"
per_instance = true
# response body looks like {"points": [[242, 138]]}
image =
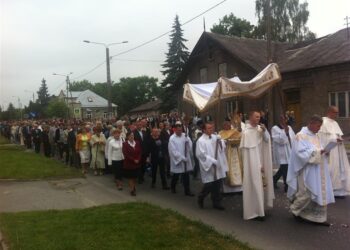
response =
{"points": [[288, 20], [176, 59], [43, 94], [231, 25], [81, 85], [56, 108], [12, 113], [131, 92]]}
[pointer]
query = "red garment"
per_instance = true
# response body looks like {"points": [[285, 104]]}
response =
{"points": [[131, 154]]}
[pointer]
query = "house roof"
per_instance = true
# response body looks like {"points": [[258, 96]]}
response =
{"points": [[324, 51], [89, 99], [149, 106]]}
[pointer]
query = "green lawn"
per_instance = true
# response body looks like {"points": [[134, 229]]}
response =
{"points": [[118, 226], [3, 140], [16, 163]]}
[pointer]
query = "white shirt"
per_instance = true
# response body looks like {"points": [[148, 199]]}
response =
{"points": [[281, 144], [115, 152]]}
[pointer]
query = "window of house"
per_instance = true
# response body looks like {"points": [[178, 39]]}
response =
{"points": [[342, 101], [76, 111], [88, 115], [90, 99], [222, 69], [203, 73], [105, 115]]}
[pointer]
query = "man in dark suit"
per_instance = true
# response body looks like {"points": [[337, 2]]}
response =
{"points": [[165, 134], [36, 135], [141, 134], [72, 135]]}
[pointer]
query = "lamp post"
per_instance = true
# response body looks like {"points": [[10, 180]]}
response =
{"points": [[67, 87], [28, 91], [109, 84], [19, 105]]}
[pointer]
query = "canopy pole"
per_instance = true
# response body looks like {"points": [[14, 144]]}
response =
{"points": [[219, 107]]}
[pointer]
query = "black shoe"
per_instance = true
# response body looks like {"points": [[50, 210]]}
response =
{"points": [[218, 207], [153, 185], [166, 188], [133, 193], [285, 188], [325, 224], [200, 202], [173, 190], [189, 194], [339, 197], [259, 218]]}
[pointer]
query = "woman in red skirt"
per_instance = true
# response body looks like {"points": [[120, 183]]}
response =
{"points": [[132, 157]]}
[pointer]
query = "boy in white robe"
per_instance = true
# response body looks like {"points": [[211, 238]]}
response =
{"points": [[309, 183], [180, 148], [258, 190], [338, 163], [210, 151]]}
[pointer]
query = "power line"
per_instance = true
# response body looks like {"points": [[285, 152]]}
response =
{"points": [[160, 36], [137, 60], [96, 67], [150, 41]]}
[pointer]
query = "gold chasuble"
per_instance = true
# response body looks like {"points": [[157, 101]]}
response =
{"points": [[232, 138]]}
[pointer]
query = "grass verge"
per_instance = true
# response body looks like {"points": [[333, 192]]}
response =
{"points": [[3, 140], [16, 163], [117, 226]]}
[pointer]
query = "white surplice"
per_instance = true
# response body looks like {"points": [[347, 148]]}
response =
{"points": [[309, 183], [257, 171], [205, 152], [338, 163], [281, 145], [180, 152]]}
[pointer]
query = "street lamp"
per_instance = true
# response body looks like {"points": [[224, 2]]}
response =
{"points": [[67, 87], [28, 91], [19, 105], [109, 84]]}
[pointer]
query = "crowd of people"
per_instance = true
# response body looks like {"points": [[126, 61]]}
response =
{"points": [[239, 158]]}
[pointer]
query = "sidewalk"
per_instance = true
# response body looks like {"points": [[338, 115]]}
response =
{"points": [[279, 231]]}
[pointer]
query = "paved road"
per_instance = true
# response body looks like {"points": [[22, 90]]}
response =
{"points": [[279, 231]]}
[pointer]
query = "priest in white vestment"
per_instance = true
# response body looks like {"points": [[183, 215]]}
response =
{"points": [[258, 190], [338, 162], [210, 151], [180, 153], [309, 183]]}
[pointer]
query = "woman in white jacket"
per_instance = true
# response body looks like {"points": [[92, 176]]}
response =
{"points": [[115, 157]]}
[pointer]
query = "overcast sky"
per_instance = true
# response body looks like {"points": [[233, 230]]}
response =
{"points": [[39, 37]]}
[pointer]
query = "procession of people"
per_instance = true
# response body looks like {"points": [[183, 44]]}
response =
{"points": [[240, 158]]}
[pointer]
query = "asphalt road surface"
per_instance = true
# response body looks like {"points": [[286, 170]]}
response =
{"points": [[278, 231]]}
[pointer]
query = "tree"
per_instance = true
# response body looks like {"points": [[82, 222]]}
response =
{"points": [[81, 85], [11, 113], [233, 26], [56, 108], [43, 94], [176, 59], [131, 92], [288, 20]]}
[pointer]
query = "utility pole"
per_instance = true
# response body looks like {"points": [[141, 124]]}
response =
{"points": [[109, 84], [67, 89], [347, 19]]}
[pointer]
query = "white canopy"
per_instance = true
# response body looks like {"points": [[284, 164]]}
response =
{"points": [[204, 95]]}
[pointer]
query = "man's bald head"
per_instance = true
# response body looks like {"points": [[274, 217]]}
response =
{"points": [[332, 112]]}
